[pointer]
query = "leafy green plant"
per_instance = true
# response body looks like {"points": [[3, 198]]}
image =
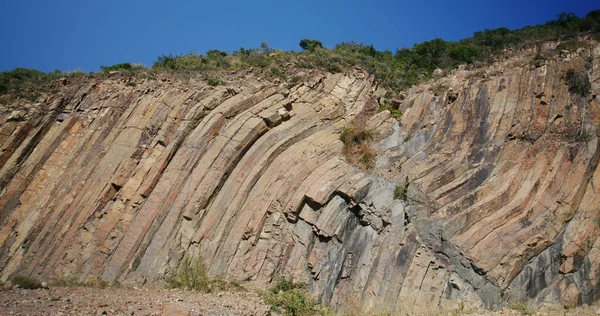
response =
{"points": [[213, 82], [130, 84], [407, 138], [290, 298], [26, 282]]}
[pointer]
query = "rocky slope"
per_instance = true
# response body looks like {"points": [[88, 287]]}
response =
{"points": [[123, 182]]}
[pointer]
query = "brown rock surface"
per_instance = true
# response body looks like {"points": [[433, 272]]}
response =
{"points": [[105, 180]]}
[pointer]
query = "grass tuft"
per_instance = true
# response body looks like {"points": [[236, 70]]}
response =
{"points": [[26, 282], [192, 275]]}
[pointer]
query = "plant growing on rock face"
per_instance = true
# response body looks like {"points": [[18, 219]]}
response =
{"points": [[571, 45], [357, 149], [276, 72], [401, 191], [578, 82], [213, 82], [580, 86]]}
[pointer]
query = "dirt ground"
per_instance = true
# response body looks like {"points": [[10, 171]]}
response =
{"points": [[127, 301]]}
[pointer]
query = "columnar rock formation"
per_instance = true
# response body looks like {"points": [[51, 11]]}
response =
{"points": [[119, 182]]}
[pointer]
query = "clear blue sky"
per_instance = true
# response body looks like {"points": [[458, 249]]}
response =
{"points": [[84, 34]]}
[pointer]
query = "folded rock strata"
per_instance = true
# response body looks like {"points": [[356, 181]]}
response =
{"points": [[124, 182]]}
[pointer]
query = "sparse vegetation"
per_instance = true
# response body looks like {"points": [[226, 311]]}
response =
{"points": [[407, 138], [357, 150], [584, 136], [395, 113], [401, 191], [292, 298], [26, 282], [192, 275], [571, 44], [395, 70], [538, 59], [96, 282], [521, 308], [295, 79], [438, 90], [130, 84]]}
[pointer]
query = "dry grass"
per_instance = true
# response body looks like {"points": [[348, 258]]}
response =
{"points": [[357, 148]]}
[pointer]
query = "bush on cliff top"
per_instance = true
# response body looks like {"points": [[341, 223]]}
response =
{"points": [[397, 71]]}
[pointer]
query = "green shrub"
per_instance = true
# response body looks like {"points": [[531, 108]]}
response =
{"points": [[276, 72], [117, 67], [213, 82], [183, 63], [130, 84], [26, 282], [407, 138], [123, 68], [20, 78], [578, 82], [310, 45], [289, 298]]}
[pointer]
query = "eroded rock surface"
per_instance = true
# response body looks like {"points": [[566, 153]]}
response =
{"points": [[123, 182]]}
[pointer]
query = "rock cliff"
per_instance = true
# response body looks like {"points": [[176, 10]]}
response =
{"points": [[500, 164]]}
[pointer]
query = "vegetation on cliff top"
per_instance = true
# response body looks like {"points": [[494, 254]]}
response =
{"points": [[397, 71]]}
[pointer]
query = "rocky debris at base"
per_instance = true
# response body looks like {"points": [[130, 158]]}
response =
{"points": [[128, 301]]}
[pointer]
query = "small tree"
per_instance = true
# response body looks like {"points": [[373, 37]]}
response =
{"points": [[310, 45]]}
